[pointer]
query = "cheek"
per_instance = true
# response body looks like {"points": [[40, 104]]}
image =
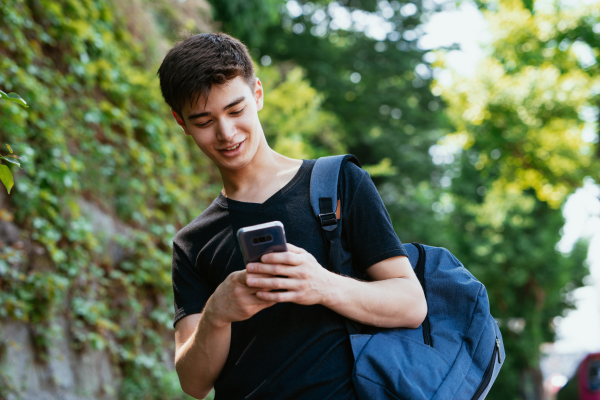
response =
{"points": [[202, 141], [248, 124]]}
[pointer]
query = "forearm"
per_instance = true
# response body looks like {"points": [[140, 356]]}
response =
{"points": [[389, 303], [200, 360]]}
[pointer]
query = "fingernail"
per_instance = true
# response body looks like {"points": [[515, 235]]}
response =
{"points": [[250, 267], [250, 281]]}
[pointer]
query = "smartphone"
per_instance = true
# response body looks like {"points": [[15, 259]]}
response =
{"points": [[261, 239]]}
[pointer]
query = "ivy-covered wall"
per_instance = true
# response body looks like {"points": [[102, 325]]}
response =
{"points": [[107, 180]]}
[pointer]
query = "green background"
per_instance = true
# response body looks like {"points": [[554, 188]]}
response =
{"points": [[481, 166]]}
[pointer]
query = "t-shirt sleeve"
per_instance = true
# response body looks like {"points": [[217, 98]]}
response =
{"points": [[191, 289], [368, 226]]}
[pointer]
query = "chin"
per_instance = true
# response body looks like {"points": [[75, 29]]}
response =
{"points": [[233, 163]]}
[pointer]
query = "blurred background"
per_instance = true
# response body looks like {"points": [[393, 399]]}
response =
{"points": [[478, 121]]}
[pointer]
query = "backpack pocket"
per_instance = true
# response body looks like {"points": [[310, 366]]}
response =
{"points": [[410, 370]]}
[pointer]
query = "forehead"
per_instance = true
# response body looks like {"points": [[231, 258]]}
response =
{"points": [[219, 97]]}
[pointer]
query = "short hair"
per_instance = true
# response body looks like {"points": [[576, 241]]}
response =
{"points": [[194, 65]]}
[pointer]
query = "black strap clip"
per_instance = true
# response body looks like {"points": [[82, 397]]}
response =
{"points": [[328, 221]]}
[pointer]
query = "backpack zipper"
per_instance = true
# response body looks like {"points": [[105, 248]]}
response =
{"points": [[498, 349], [489, 371]]}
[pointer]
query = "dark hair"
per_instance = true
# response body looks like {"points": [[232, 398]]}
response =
{"points": [[195, 64]]}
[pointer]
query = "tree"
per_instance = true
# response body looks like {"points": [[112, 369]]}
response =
{"points": [[375, 79], [519, 124]]}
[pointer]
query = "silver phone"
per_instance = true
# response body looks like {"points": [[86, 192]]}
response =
{"points": [[261, 239]]}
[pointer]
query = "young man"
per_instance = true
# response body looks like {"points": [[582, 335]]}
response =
{"points": [[231, 331]]}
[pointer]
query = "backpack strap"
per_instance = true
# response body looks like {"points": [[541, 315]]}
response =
{"points": [[324, 202], [323, 188]]}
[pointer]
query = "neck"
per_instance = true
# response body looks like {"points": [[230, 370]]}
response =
{"points": [[263, 176]]}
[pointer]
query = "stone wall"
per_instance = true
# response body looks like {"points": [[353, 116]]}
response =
{"points": [[54, 370], [60, 374]]}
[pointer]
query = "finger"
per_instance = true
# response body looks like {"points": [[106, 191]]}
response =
{"points": [[259, 268], [295, 249], [273, 283], [270, 269], [252, 289], [256, 280], [278, 297], [285, 257], [255, 277], [258, 301], [248, 298]]}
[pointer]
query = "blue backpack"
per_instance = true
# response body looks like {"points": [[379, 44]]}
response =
{"points": [[456, 353]]}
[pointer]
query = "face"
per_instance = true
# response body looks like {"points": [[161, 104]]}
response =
{"points": [[226, 128]]}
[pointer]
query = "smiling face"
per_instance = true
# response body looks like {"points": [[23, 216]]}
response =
{"points": [[226, 128]]}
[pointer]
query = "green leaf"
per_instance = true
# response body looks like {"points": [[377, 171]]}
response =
{"points": [[384, 168], [15, 98], [6, 177], [11, 160]]}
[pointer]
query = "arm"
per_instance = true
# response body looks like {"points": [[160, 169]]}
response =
{"points": [[202, 340], [394, 297], [201, 348]]}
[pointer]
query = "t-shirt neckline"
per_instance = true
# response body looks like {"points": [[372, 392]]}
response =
{"points": [[241, 205]]}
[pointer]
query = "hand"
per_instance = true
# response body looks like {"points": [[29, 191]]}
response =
{"points": [[234, 300], [307, 281]]}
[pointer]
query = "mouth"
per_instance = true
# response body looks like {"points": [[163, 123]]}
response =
{"points": [[232, 150]]}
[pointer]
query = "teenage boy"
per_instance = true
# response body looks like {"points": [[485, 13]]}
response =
{"points": [[232, 332]]}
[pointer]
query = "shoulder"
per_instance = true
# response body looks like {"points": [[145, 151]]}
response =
{"points": [[203, 225], [352, 172], [350, 183], [352, 177]]}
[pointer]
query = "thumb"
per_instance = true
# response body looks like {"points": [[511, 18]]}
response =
{"points": [[240, 276]]}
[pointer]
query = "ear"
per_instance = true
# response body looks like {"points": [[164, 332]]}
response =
{"points": [[258, 94], [180, 122]]}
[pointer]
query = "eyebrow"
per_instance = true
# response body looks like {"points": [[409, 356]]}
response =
{"points": [[207, 113]]}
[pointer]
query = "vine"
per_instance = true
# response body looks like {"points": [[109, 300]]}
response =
{"points": [[100, 144], [95, 132], [5, 175]]}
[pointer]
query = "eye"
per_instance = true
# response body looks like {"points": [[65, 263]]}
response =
{"points": [[238, 112], [204, 125]]}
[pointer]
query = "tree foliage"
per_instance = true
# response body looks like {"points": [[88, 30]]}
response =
{"points": [[519, 149], [293, 119]]}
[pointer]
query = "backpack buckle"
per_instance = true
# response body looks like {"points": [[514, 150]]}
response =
{"points": [[328, 221]]}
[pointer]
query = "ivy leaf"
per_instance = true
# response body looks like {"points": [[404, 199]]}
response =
{"points": [[6, 177], [9, 149], [11, 160], [15, 98]]}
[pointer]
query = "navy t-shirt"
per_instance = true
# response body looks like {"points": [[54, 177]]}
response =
{"points": [[287, 351]]}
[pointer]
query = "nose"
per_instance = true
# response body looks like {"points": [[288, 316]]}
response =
{"points": [[226, 130]]}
